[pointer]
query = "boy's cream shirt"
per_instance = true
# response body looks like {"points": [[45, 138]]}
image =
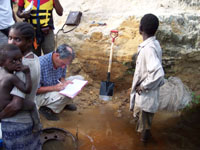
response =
{"points": [[148, 74]]}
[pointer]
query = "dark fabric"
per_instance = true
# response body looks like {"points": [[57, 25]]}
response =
{"points": [[40, 17], [40, 11], [5, 31], [143, 119], [48, 113], [19, 136]]}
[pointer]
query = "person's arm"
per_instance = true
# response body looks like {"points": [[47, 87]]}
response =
{"points": [[65, 82], [12, 108], [24, 87], [45, 89], [58, 7], [19, 11], [155, 71], [22, 14], [28, 105], [14, 17], [13, 13]]}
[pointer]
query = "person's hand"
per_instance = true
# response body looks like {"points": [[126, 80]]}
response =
{"points": [[66, 82], [26, 14], [25, 69], [59, 87], [139, 89], [45, 30]]}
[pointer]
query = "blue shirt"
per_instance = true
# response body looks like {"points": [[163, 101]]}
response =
{"points": [[49, 75]]}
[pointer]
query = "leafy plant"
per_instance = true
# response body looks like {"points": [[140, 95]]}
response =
{"points": [[195, 100]]}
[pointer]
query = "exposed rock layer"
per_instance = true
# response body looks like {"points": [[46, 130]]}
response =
{"points": [[178, 34]]}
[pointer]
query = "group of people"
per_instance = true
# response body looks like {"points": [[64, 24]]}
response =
{"points": [[29, 83]]}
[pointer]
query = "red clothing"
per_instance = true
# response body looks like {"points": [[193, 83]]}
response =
{"points": [[21, 2]]}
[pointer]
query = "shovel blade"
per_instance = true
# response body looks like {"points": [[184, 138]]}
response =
{"points": [[106, 90]]}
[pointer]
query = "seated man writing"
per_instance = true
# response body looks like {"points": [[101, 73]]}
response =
{"points": [[53, 72]]}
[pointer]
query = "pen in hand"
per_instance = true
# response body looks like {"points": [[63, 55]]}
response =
{"points": [[59, 82]]}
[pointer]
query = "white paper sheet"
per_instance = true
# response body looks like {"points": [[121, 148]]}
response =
{"points": [[71, 90]]}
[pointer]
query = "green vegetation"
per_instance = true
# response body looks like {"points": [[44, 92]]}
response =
{"points": [[195, 98], [195, 101]]}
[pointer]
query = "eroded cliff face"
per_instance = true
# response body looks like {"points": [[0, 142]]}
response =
{"points": [[178, 34]]}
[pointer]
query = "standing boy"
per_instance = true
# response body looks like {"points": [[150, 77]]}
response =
{"points": [[148, 77]]}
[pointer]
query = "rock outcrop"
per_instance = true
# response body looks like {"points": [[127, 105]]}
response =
{"points": [[178, 34]]}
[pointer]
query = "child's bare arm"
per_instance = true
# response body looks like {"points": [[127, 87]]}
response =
{"points": [[24, 87], [12, 108], [28, 105]]}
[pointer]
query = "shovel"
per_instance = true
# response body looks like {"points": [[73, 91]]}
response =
{"points": [[106, 89]]}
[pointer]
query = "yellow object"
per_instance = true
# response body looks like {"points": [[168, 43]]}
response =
{"points": [[44, 13]]}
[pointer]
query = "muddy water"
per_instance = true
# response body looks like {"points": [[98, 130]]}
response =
{"points": [[100, 129]]}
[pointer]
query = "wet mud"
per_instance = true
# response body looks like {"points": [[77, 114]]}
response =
{"points": [[100, 128]]}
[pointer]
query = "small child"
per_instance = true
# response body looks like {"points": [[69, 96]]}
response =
{"points": [[10, 61], [148, 77]]}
